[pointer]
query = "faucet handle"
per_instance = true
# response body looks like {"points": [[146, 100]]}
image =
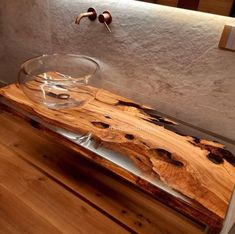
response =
{"points": [[105, 18]]}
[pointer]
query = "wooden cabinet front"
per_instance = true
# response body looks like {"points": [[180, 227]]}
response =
{"points": [[221, 7]]}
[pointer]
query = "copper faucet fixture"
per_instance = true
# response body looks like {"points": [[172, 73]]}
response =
{"points": [[91, 14], [105, 18]]}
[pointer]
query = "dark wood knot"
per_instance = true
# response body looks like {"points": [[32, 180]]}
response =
{"points": [[168, 157], [100, 125], [129, 137]]}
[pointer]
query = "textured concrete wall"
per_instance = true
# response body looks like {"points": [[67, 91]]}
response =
{"points": [[162, 56]]}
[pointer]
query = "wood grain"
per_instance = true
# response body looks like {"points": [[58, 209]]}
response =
{"points": [[168, 2], [17, 217], [225, 36], [125, 203], [39, 205], [221, 7], [200, 169], [188, 4]]}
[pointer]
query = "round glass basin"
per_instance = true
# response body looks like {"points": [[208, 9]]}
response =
{"points": [[59, 81]]}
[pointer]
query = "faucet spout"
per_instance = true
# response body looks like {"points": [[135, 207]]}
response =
{"points": [[91, 14]]}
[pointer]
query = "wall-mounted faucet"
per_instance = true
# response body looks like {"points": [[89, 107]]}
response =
{"points": [[91, 14], [105, 17]]}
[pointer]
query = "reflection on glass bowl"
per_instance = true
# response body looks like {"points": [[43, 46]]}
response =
{"points": [[59, 81]]}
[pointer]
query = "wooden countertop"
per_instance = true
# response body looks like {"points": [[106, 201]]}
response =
{"points": [[200, 170]]}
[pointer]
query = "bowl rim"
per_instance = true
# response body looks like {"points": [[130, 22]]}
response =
{"points": [[26, 62]]}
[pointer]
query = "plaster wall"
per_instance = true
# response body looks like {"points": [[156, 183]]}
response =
{"points": [[161, 56]]}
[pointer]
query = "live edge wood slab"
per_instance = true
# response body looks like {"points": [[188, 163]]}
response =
{"points": [[202, 170]]}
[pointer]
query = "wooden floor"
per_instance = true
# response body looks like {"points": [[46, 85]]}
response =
{"points": [[47, 188]]}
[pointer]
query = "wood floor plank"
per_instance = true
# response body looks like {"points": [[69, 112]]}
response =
{"points": [[62, 209], [17, 217], [135, 209]]}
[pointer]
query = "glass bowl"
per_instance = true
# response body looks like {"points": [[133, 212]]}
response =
{"points": [[59, 80]]}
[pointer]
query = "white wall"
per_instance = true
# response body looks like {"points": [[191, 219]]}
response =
{"points": [[158, 55]]}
